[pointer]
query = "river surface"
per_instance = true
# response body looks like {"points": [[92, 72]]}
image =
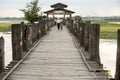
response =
{"points": [[114, 22], [4, 21], [107, 52], [8, 47]]}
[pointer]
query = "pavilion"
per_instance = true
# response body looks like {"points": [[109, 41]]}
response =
{"points": [[59, 9]]}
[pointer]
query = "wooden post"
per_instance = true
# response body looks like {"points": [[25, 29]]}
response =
{"points": [[34, 33], [38, 30], [27, 36], [79, 30], [86, 38], [41, 28], [2, 54], [24, 29], [47, 24], [82, 34], [94, 42], [117, 74], [44, 27], [91, 42], [96, 45], [75, 28], [17, 43], [71, 26]]}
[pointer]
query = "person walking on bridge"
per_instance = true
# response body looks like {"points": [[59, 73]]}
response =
{"points": [[58, 24], [61, 25]]}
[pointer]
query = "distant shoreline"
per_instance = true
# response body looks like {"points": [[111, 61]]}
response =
{"points": [[1, 21], [114, 22]]}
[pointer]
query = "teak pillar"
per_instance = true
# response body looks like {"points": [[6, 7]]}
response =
{"points": [[2, 54], [117, 75], [17, 43]]}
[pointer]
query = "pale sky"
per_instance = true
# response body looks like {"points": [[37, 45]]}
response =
{"points": [[10, 8]]}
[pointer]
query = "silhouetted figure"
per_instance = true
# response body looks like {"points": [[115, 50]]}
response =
{"points": [[61, 25], [58, 26]]}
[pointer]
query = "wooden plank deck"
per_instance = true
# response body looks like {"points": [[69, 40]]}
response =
{"points": [[55, 58]]}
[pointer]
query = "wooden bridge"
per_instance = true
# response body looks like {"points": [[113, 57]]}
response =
{"points": [[56, 56]]}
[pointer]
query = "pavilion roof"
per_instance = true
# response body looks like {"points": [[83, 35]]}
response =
{"points": [[59, 9], [52, 11], [58, 5]]}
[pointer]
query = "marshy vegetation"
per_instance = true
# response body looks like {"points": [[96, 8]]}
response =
{"points": [[5, 27], [109, 30]]}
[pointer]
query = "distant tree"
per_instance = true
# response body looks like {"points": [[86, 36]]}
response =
{"points": [[31, 12]]}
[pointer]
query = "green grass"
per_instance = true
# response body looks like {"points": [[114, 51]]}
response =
{"points": [[4, 27], [109, 31]]}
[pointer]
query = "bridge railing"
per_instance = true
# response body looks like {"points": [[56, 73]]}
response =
{"points": [[87, 38], [24, 37], [87, 35]]}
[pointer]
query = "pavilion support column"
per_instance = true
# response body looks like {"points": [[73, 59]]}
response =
{"points": [[53, 16], [64, 22], [64, 16], [70, 16], [47, 16]]}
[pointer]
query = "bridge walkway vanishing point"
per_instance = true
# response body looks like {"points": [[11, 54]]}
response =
{"points": [[55, 58]]}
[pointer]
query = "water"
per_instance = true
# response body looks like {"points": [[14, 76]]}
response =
{"points": [[13, 21], [107, 52], [8, 46], [114, 22], [4, 21]]}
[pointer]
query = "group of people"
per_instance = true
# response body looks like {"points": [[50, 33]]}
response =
{"points": [[59, 24]]}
